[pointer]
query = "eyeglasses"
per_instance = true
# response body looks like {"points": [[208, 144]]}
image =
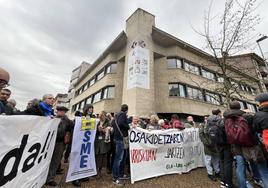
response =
{"points": [[3, 83]]}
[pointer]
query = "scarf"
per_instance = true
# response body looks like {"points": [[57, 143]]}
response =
{"points": [[47, 110]]}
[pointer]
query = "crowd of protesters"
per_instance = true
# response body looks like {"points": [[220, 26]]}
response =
{"points": [[235, 139]]}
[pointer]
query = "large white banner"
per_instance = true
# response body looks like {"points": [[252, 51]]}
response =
{"points": [[156, 153], [26, 148], [82, 157], [138, 68]]}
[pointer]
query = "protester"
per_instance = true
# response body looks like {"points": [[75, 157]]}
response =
{"points": [[189, 122], [135, 122], [153, 123], [4, 96], [12, 103], [175, 122], [43, 108], [217, 134], [102, 147], [234, 118], [64, 129], [4, 79], [212, 161], [121, 127], [260, 125]]}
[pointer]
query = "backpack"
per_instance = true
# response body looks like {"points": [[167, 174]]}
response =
{"points": [[216, 133], [238, 131]]}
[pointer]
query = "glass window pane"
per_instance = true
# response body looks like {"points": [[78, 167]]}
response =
{"points": [[113, 67], [182, 90], [97, 97], [172, 63], [173, 90], [111, 92], [100, 75]]}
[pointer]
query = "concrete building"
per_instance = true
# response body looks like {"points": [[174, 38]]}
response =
{"points": [[76, 74], [155, 72], [61, 100]]}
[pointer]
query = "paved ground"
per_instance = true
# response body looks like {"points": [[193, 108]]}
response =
{"points": [[195, 179]]}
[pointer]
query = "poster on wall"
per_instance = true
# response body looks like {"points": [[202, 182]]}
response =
{"points": [[138, 66]]}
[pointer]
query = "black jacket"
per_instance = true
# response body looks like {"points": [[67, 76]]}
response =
{"points": [[122, 121], [8, 110], [260, 120], [64, 126]]}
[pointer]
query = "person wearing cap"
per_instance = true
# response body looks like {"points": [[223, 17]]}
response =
{"points": [[4, 79], [63, 135]]}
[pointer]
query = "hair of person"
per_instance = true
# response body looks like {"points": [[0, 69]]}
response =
{"points": [[7, 90], [154, 119], [174, 116], [86, 109], [12, 101], [124, 108], [216, 111], [234, 105], [46, 96], [161, 121]]}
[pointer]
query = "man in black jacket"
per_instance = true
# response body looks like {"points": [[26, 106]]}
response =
{"points": [[121, 127], [64, 129]]}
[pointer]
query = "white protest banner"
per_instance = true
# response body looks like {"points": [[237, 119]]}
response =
{"points": [[161, 152], [26, 148], [82, 157], [138, 68]]}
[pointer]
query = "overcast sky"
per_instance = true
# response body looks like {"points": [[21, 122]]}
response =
{"points": [[42, 41]]}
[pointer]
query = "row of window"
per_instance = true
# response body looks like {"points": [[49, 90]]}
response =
{"points": [[110, 68], [174, 63], [104, 93], [182, 90]]}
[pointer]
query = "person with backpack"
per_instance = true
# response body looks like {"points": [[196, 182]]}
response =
{"points": [[239, 135], [212, 162], [260, 125], [217, 135]]}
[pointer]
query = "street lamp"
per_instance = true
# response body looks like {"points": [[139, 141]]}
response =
{"points": [[259, 40]]}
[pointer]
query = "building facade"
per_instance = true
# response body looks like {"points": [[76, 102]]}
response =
{"points": [[61, 100], [155, 72]]}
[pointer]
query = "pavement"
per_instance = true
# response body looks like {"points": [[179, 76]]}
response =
{"points": [[196, 178]]}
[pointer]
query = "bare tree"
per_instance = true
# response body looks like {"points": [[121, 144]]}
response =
{"points": [[231, 35]]}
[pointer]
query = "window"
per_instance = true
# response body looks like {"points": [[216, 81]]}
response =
{"points": [[97, 97], [82, 104], [88, 100], [251, 107], [182, 90], [108, 93], [253, 91], [209, 75], [174, 63], [92, 81], [174, 90], [85, 86], [177, 90], [194, 93], [242, 105], [100, 75], [74, 107], [212, 98], [220, 79], [191, 68], [111, 68]]}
